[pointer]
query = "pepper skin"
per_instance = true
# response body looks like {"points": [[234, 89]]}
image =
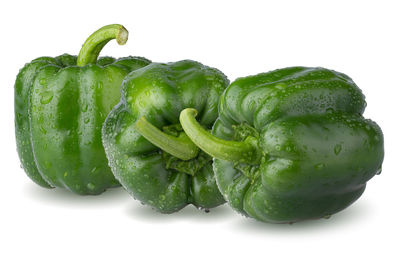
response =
{"points": [[147, 150], [291, 144], [60, 106]]}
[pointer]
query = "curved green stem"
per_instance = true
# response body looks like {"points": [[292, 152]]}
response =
{"points": [[181, 147], [245, 151], [93, 45]]}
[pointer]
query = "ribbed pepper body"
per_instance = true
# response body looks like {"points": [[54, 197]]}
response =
{"points": [[299, 145], [158, 92], [59, 109]]}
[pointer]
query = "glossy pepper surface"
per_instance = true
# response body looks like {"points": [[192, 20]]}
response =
{"points": [[60, 105], [147, 149], [291, 144]]}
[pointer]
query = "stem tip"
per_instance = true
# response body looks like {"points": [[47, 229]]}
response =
{"points": [[122, 35]]}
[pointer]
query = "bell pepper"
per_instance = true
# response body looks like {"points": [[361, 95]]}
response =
{"points": [[148, 151], [60, 105], [291, 144]]}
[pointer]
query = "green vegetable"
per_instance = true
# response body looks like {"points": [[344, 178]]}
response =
{"points": [[60, 105], [291, 144], [148, 151]]}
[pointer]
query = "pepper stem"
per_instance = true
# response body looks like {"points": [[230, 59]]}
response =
{"points": [[93, 45], [245, 151], [181, 147]]}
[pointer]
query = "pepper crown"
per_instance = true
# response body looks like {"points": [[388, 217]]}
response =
{"points": [[245, 151]]}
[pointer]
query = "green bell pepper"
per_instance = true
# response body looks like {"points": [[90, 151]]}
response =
{"points": [[148, 151], [291, 144], [60, 106]]}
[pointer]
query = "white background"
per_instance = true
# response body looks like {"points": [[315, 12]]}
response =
{"points": [[40, 227]]}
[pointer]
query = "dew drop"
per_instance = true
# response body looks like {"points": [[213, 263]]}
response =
{"points": [[90, 186], [329, 110], [379, 171], [85, 107], [337, 149], [46, 97], [319, 166], [43, 130]]}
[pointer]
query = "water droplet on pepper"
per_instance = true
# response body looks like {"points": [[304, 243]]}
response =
{"points": [[337, 149], [46, 97]]}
